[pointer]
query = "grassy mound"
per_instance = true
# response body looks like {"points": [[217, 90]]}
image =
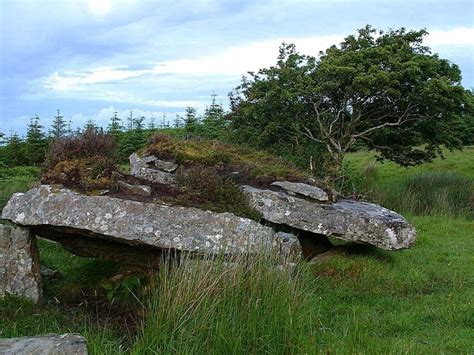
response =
{"points": [[245, 165]]}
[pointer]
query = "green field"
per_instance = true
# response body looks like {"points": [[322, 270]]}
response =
{"points": [[364, 301]]}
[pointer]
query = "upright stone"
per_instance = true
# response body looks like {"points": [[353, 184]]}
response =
{"points": [[19, 264]]}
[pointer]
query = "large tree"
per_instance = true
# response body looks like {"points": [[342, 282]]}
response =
{"points": [[384, 90]]}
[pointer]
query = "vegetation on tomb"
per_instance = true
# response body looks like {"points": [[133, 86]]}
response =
{"points": [[247, 165]]}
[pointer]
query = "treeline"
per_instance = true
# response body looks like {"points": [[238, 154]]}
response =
{"points": [[130, 133]]}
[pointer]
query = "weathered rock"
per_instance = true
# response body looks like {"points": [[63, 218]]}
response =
{"points": [[140, 167], [129, 231], [66, 344], [303, 189], [167, 166], [346, 220], [287, 244], [49, 273], [19, 264], [141, 190]]}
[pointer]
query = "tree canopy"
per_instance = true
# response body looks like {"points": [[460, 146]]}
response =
{"points": [[381, 89]]}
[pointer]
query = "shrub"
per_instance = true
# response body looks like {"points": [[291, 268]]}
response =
{"points": [[203, 187], [89, 144], [84, 162]]}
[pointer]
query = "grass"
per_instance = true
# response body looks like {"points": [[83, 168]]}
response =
{"points": [[444, 187], [364, 301]]}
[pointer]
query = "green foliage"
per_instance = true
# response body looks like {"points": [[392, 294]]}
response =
{"points": [[134, 138], [14, 152], [36, 144], [115, 127], [213, 125], [384, 90], [191, 120]]}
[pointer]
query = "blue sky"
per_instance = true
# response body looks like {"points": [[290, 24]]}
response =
{"points": [[92, 57]]}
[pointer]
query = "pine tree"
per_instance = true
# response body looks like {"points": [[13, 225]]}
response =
{"points": [[35, 141], [177, 122], [151, 124], [213, 123], [190, 120], [163, 121], [115, 126], [59, 126], [134, 139], [130, 121], [90, 125], [14, 151]]}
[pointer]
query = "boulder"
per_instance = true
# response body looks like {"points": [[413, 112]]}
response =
{"points": [[67, 344], [129, 231], [303, 189], [148, 168], [347, 220], [19, 264]]}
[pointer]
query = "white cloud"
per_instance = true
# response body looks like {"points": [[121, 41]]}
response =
{"points": [[456, 36], [222, 69]]}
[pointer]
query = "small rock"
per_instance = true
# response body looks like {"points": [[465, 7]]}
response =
{"points": [[139, 167], [167, 166], [141, 190], [303, 189], [288, 244], [67, 344], [46, 272]]}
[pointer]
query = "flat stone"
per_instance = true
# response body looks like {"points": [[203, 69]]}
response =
{"points": [[141, 190], [303, 189], [139, 167], [347, 220], [167, 166], [129, 231], [66, 344], [19, 264]]}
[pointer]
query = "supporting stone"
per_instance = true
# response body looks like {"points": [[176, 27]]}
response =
{"points": [[19, 264]]}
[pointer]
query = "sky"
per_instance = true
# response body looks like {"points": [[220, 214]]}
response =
{"points": [[90, 58]]}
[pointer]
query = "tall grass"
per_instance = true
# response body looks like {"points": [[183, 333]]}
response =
{"points": [[244, 306], [429, 193]]}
